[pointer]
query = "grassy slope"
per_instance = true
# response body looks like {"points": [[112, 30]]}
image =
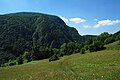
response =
{"points": [[102, 65]]}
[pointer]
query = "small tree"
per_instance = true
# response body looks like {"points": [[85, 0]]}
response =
{"points": [[27, 56], [53, 58], [20, 60], [96, 46], [109, 40], [82, 51]]}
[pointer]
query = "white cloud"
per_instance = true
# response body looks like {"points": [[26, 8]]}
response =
{"points": [[87, 26], [64, 19], [106, 23], [103, 23], [77, 20]]}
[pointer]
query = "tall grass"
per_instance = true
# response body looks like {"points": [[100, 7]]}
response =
{"points": [[102, 65]]}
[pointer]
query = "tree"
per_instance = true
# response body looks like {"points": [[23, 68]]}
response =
{"points": [[27, 56], [82, 51], [20, 60], [109, 40], [35, 52], [117, 37], [71, 48], [102, 37], [41, 52], [53, 58], [96, 46]]}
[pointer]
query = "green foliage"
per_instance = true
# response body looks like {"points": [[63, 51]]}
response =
{"points": [[101, 65], [20, 31], [6, 57], [27, 56], [102, 37], [88, 42], [41, 52], [20, 60], [117, 36], [61, 54], [113, 46], [87, 37], [98, 43], [38, 34], [11, 63], [53, 58], [58, 52], [96, 46], [70, 48], [82, 51], [109, 40]]}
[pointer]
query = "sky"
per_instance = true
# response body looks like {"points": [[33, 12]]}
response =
{"points": [[89, 17]]}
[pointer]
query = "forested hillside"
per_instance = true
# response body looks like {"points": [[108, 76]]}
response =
{"points": [[28, 36], [19, 32]]}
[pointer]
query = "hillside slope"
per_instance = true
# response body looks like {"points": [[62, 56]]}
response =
{"points": [[20, 31], [102, 65]]}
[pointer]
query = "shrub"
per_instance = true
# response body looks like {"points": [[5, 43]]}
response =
{"points": [[109, 40], [12, 63], [27, 56], [96, 46], [82, 51], [53, 58], [71, 48], [20, 60], [60, 54], [41, 52]]}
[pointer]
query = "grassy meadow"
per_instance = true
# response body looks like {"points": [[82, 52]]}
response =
{"points": [[101, 65]]}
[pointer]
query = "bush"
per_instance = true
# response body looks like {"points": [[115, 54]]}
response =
{"points": [[103, 36], [109, 40], [82, 51], [117, 37], [53, 58], [27, 56], [6, 57], [71, 48], [96, 46], [60, 54], [41, 52], [11, 64], [20, 60]]}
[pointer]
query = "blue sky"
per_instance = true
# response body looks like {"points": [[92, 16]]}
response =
{"points": [[87, 16]]}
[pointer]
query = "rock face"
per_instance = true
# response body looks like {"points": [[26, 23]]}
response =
{"points": [[20, 31]]}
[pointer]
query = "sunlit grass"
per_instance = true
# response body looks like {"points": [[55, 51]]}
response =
{"points": [[102, 65]]}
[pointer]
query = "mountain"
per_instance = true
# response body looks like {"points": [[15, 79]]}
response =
{"points": [[117, 33], [87, 37], [20, 31]]}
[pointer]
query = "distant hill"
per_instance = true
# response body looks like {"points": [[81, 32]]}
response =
{"points": [[87, 37], [20, 31], [117, 33]]}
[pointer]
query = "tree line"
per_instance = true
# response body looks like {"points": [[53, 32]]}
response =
{"points": [[44, 52]]}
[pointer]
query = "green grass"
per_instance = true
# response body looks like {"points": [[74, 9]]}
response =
{"points": [[102, 65], [113, 46]]}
